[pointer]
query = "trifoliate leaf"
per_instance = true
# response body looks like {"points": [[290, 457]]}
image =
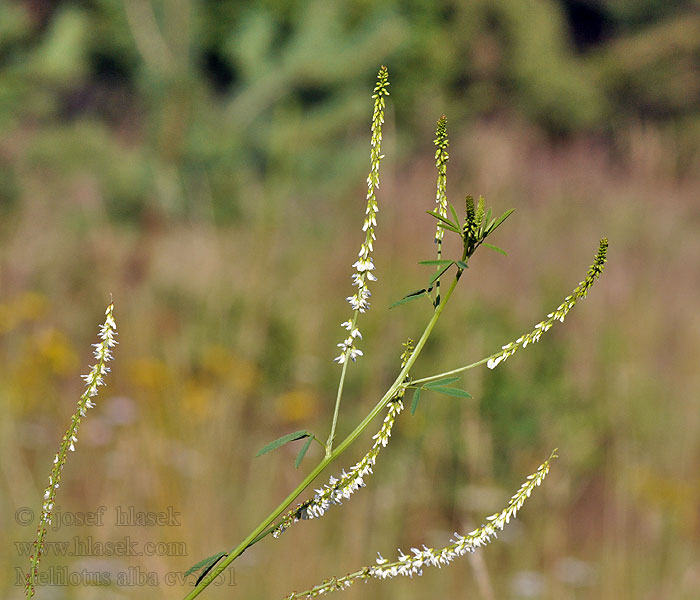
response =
{"points": [[416, 399], [441, 382], [494, 225], [448, 227], [440, 272], [204, 573], [206, 563], [302, 452], [411, 296], [444, 222], [454, 214], [285, 439], [451, 391], [496, 248]]}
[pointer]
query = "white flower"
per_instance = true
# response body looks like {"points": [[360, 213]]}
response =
{"points": [[354, 353], [364, 264], [493, 362]]}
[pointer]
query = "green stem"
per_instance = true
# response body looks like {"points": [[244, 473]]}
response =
{"points": [[341, 384], [437, 283], [416, 382], [255, 535]]}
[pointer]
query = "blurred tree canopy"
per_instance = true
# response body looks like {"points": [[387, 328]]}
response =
{"points": [[191, 108]]}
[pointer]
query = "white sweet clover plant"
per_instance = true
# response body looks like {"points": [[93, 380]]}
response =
{"points": [[473, 229]]}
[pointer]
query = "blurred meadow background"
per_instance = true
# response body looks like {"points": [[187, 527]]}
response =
{"points": [[204, 162]]}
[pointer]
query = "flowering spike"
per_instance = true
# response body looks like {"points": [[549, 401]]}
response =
{"points": [[409, 346], [559, 314], [441, 157], [479, 218], [93, 380], [364, 267], [412, 564], [470, 223]]}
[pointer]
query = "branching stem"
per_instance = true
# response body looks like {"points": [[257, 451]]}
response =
{"points": [[264, 527], [452, 372]]}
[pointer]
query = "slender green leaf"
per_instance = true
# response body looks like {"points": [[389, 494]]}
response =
{"points": [[496, 248], [204, 573], [485, 216], [405, 300], [416, 399], [451, 391], [411, 296], [448, 227], [441, 382], [302, 452], [435, 262], [209, 561], [493, 226], [484, 223], [439, 217], [461, 264], [454, 214], [440, 272], [285, 439]]}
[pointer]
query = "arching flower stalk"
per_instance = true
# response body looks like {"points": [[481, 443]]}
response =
{"points": [[93, 380], [559, 314], [411, 564]]}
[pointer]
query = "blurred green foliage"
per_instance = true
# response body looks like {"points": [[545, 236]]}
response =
{"points": [[183, 107]]}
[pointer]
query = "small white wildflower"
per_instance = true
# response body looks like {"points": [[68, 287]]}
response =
{"points": [[364, 265], [493, 362], [354, 353]]}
